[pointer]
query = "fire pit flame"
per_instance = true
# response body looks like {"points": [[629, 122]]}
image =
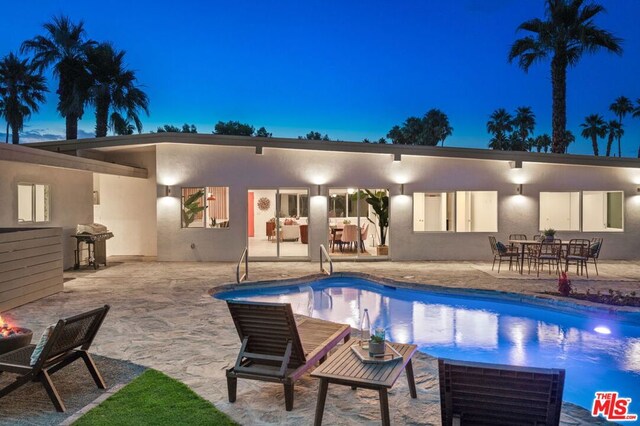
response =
{"points": [[6, 329]]}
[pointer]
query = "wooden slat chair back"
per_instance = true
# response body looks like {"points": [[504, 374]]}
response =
{"points": [[267, 331], [272, 345], [473, 393], [70, 340]]}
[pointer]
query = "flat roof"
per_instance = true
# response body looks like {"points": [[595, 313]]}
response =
{"points": [[28, 154], [124, 142]]}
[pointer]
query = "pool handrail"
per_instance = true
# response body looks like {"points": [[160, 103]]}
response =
{"points": [[245, 257], [325, 254]]}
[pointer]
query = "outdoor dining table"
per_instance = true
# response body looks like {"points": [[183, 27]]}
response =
{"points": [[525, 243]]}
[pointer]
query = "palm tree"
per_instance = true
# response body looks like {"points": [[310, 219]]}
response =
{"points": [[6, 135], [64, 48], [523, 124], [593, 128], [437, 126], [636, 114], [564, 35], [615, 131], [500, 123], [113, 87], [22, 88], [621, 107], [543, 142], [120, 125], [568, 138]]}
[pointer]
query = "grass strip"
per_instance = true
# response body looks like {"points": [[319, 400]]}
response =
{"points": [[155, 398]]}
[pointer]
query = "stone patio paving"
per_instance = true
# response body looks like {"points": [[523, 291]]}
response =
{"points": [[163, 317]]}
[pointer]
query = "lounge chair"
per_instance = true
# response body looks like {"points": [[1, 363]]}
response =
{"points": [[474, 393], [275, 348], [68, 341]]}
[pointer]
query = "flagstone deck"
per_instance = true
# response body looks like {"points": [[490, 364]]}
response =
{"points": [[163, 317]]}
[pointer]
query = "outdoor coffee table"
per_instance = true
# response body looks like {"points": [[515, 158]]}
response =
{"points": [[345, 368]]}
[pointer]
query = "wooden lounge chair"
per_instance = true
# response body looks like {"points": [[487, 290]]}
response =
{"points": [[275, 348], [69, 341], [474, 393]]}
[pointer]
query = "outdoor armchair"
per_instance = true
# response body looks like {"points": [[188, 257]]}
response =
{"points": [[69, 340], [275, 348]]}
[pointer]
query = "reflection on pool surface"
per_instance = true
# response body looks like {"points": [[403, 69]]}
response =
{"points": [[598, 354]]}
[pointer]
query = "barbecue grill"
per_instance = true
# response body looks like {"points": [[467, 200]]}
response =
{"points": [[94, 236]]}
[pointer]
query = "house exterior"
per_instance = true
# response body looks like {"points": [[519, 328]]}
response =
{"points": [[196, 197]]}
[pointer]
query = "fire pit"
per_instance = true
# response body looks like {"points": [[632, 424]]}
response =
{"points": [[12, 338]]}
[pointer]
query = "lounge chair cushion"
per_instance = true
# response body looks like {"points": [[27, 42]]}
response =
{"points": [[41, 344]]}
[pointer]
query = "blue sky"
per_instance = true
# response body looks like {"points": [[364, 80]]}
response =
{"points": [[349, 69]]}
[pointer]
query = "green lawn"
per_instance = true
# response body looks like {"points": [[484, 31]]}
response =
{"points": [[154, 398]]}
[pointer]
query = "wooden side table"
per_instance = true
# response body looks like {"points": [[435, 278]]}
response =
{"points": [[345, 368]]}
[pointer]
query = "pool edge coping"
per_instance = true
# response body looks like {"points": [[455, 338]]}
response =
{"points": [[618, 313]]}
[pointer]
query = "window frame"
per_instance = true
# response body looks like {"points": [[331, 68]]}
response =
{"points": [[413, 212], [205, 212], [33, 185], [622, 211]]}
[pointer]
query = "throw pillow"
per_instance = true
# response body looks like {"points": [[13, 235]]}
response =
{"points": [[594, 248], [501, 247], [41, 344]]}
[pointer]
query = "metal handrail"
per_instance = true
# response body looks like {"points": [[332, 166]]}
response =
{"points": [[245, 254], [325, 254]]}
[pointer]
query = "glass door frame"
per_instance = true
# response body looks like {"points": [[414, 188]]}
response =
{"points": [[278, 256], [359, 219]]}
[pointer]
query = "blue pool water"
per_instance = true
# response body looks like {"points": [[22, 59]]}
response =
{"points": [[476, 329]]}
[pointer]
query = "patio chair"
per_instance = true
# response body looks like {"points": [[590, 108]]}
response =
{"points": [[275, 348], [546, 252], [578, 253], [68, 341], [516, 237], [474, 393], [501, 252], [594, 251]]}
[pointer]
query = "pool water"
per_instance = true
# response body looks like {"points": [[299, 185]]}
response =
{"points": [[599, 354]]}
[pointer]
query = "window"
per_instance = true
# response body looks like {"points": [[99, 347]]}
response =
{"points": [[293, 203], [205, 207], [602, 211], [433, 211], [33, 203], [348, 203], [477, 211], [560, 211]]}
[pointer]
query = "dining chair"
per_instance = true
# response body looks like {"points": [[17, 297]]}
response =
{"points": [[516, 237], [594, 251], [364, 233], [350, 235], [547, 252], [500, 252], [578, 253]]}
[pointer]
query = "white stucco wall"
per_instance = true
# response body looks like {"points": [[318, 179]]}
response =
{"points": [[241, 169], [71, 199], [128, 205]]}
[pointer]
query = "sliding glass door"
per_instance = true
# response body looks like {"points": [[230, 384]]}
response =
{"points": [[278, 222], [358, 222]]}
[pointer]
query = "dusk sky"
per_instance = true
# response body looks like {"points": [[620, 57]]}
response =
{"points": [[349, 69]]}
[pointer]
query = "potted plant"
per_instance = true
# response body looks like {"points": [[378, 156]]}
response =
{"points": [[379, 202], [376, 343], [346, 222], [191, 207], [549, 234]]}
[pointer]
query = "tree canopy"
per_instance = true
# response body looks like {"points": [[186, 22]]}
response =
{"points": [[433, 128]]}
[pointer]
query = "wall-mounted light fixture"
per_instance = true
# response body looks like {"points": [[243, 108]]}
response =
{"points": [[167, 191], [519, 189], [258, 150], [397, 157], [638, 189], [517, 164], [319, 190], [402, 189]]}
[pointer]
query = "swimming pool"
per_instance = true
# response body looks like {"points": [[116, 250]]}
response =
{"points": [[599, 354]]}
